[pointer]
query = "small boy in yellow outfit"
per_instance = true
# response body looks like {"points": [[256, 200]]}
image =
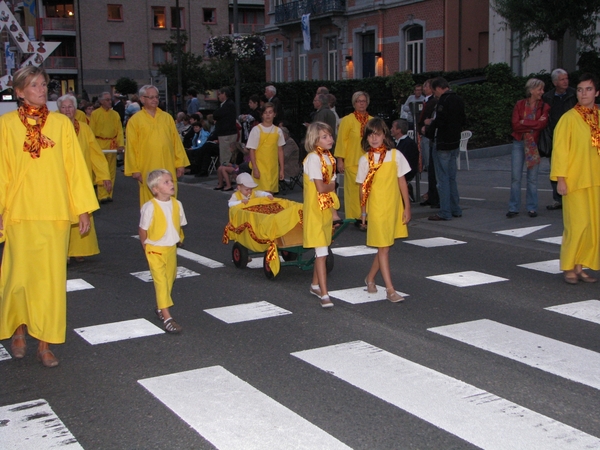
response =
{"points": [[245, 190], [160, 232]]}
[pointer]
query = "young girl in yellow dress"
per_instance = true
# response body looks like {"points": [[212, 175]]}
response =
{"points": [[384, 197], [320, 201]]}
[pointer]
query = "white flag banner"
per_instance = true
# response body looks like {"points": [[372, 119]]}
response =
{"points": [[306, 31], [10, 57]]}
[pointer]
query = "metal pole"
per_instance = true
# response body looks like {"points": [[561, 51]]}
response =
{"points": [[236, 66], [179, 83]]}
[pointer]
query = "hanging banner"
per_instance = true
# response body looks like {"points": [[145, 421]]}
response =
{"points": [[306, 31], [10, 57]]}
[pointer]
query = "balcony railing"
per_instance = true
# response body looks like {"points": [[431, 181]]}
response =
{"points": [[294, 10], [57, 24], [61, 62], [247, 28]]}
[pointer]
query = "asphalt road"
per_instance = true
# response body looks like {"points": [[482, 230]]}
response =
{"points": [[452, 367]]}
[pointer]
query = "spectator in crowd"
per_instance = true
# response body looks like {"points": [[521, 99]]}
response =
{"points": [[250, 119], [409, 106], [132, 107], [323, 113], [431, 198], [119, 106], [201, 135], [225, 118], [180, 122], [188, 133], [270, 95], [332, 101], [192, 104], [291, 155], [409, 149]]}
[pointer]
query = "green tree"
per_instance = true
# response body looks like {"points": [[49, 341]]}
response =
{"points": [[126, 86], [538, 20], [192, 72]]}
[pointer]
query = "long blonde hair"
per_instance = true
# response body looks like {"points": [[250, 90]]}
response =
{"points": [[312, 135]]}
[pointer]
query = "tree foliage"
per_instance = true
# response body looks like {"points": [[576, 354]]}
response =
{"points": [[192, 73], [126, 86], [538, 20]]}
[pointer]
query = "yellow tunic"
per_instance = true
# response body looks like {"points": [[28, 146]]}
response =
{"points": [[574, 158], [348, 146], [87, 245], [153, 143], [267, 160], [317, 226], [81, 117], [39, 198], [108, 129], [385, 207]]}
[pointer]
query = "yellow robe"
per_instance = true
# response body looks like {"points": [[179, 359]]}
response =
{"points": [[574, 158], [153, 143], [267, 160], [108, 129], [317, 226], [39, 199], [87, 245], [348, 146], [81, 117]]}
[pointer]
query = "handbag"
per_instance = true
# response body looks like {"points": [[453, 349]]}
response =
{"points": [[545, 143]]}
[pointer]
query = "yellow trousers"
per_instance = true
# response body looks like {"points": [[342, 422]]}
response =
{"points": [[163, 267], [112, 168]]}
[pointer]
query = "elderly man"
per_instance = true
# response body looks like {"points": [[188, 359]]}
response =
{"points": [[409, 105], [225, 128], [270, 93], [108, 129], [323, 113], [153, 143]]}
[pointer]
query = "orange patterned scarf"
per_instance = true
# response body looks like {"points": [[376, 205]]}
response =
{"points": [[373, 167], [362, 119], [76, 125], [325, 198], [35, 141], [590, 116]]}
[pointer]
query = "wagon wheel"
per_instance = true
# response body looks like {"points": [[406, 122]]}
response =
{"points": [[329, 261], [267, 270], [239, 255]]}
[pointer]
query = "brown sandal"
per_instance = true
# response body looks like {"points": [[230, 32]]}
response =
{"points": [[18, 351], [570, 277], [393, 296], [585, 277], [47, 358], [371, 287]]}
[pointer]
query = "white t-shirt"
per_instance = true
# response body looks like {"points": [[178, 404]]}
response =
{"points": [[171, 236], [312, 166], [254, 137], [401, 163]]}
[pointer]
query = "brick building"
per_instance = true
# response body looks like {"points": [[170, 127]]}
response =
{"points": [[365, 38]]}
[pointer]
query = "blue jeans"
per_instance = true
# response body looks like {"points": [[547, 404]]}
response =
{"points": [[445, 172], [518, 159]]}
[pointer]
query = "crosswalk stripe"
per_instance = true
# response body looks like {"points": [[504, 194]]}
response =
{"points": [[182, 272], [467, 278], [118, 331], [78, 284], [556, 357], [356, 250], [586, 310], [550, 266], [231, 414], [520, 232], [434, 242], [477, 416], [552, 240], [246, 312], [210, 263], [33, 425], [360, 295], [4, 354]]}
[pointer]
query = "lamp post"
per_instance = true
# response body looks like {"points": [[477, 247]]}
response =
{"points": [[179, 83], [236, 66]]}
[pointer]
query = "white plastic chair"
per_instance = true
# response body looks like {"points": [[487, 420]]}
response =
{"points": [[212, 167], [464, 139], [411, 134]]}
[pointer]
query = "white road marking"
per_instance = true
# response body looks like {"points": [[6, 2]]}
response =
{"points": [[550, 266], [4, 355], [552, 240], [520, 232], [473, 198], [434, 242], [211, 263], [522, 189], [33, 425], [360, 295], [552, 356], [231, 414], [586, 310], [182, 272], [466, 279], [246, 312], [479, 417], [118, 331], [356, 250], [78, 284], [257, 262]]}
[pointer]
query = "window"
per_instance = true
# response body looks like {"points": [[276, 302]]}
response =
{"points": [[177, 19], [414, 49], [209, 15], [61, 9], [332, 59], [115, 12], [159, 55], [160, 17], [278, 63], [116, 50], [368, 55], [302, 62]]}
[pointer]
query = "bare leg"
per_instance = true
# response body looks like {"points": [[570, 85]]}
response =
{"points": [[384, 265], [18, 344], [320, 275], [220, 176], [45, 355]]}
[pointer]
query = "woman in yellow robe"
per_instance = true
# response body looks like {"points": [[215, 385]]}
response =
{"points": [[348, 151], [384, 197], [153, 143], [44, 187], [576, 169], [86, 244]]}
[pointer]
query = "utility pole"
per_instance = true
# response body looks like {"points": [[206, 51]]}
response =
{"points": [[236, 64], [179, 83]]}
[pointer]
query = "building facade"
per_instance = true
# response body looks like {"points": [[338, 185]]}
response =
{"points": [[365, 38]]}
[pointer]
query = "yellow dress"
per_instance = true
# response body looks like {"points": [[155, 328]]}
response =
{"points": [[385, 207], [108, 129], [153, 143], [39, 199], [87, 244], [575, 159], [267, 160], [348, 146], [317, 224]]}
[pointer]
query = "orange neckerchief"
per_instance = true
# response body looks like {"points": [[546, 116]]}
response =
{"points": [[362, 119], [373, 167], [325, 198], [590, 116], [35, 141], [76, 125]]}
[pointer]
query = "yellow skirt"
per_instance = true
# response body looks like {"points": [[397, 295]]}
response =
{"points": [[351, 193], [581, 236], [33, 279], [86, 245]]}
